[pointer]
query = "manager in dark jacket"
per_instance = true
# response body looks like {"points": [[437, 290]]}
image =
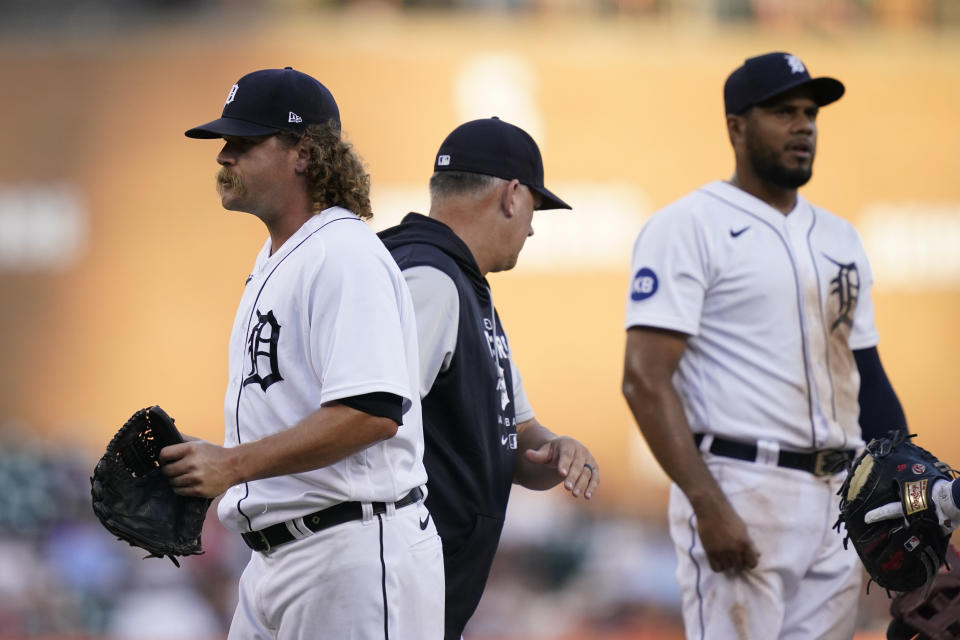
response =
{"points": [[480, 431]]}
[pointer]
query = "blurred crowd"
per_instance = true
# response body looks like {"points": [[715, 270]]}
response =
{"points": [[65, 576], [57, 15]]}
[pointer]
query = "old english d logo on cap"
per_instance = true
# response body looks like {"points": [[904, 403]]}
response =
{"points": [[268, 101], [764, 77], [796, 65]]}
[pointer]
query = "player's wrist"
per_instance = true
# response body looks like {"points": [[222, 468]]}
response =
{"points": [[236, 465], [708, 503]]}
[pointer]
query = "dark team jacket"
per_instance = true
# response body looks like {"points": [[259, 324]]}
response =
{"points": [[469, 420]]}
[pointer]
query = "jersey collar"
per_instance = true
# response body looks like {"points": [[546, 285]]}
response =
{"points": [[265, 260], [743, 200]]}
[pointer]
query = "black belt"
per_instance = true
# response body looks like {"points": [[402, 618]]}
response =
{"points": [[825, 462], [277, 534]]}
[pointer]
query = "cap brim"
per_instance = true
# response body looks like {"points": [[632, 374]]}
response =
{"points": [[825, 90], [229, 127], [550, 201]]}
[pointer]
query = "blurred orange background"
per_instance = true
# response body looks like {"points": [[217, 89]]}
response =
{"points": [[628, 115]]}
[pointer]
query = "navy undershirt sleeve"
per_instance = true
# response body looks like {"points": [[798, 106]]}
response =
{"points": [[379, 403], [880, 409]]}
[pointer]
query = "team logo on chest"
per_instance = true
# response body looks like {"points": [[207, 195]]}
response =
{"points": [[846, 287], [262, 349]]}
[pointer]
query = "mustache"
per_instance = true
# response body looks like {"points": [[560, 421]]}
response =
{"points": [[225, 178]]}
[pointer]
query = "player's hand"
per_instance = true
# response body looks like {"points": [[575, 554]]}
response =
{"points": [[725, 540], [573, 462], [197, 468], [941, 492]]}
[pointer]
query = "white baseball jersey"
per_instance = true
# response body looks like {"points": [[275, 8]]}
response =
{"points": [[773, 305], [327, 316], [438, 318]]}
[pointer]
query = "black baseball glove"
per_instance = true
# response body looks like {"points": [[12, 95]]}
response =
{"points": [[134, 500], [891, 514]]}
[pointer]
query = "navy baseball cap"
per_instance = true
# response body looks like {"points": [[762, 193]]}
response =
{"points": [[764, 77], [496, 148], [269, 101]]}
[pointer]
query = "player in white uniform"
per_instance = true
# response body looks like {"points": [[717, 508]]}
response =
{"points": [[322, 458], [750, 328]]}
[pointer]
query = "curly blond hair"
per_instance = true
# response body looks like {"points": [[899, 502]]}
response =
{"points": [[336, 175]]}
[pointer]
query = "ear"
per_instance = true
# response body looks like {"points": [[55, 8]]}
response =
{"points": [[302, 162], [736, 126], [509, 199]]}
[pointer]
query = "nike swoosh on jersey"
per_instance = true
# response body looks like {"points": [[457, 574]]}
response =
{"points": [[424, 523], [503, 439], [734, 234]]}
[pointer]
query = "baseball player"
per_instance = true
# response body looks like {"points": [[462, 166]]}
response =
{"points": [[752, 370], [481, 433], [322, 457]]}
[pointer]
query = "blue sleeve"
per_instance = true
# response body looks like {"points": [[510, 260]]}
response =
{"points": [[380, 404], [880, 409]]}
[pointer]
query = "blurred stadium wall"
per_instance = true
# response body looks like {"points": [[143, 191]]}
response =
{"points": [[119, 271]]}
